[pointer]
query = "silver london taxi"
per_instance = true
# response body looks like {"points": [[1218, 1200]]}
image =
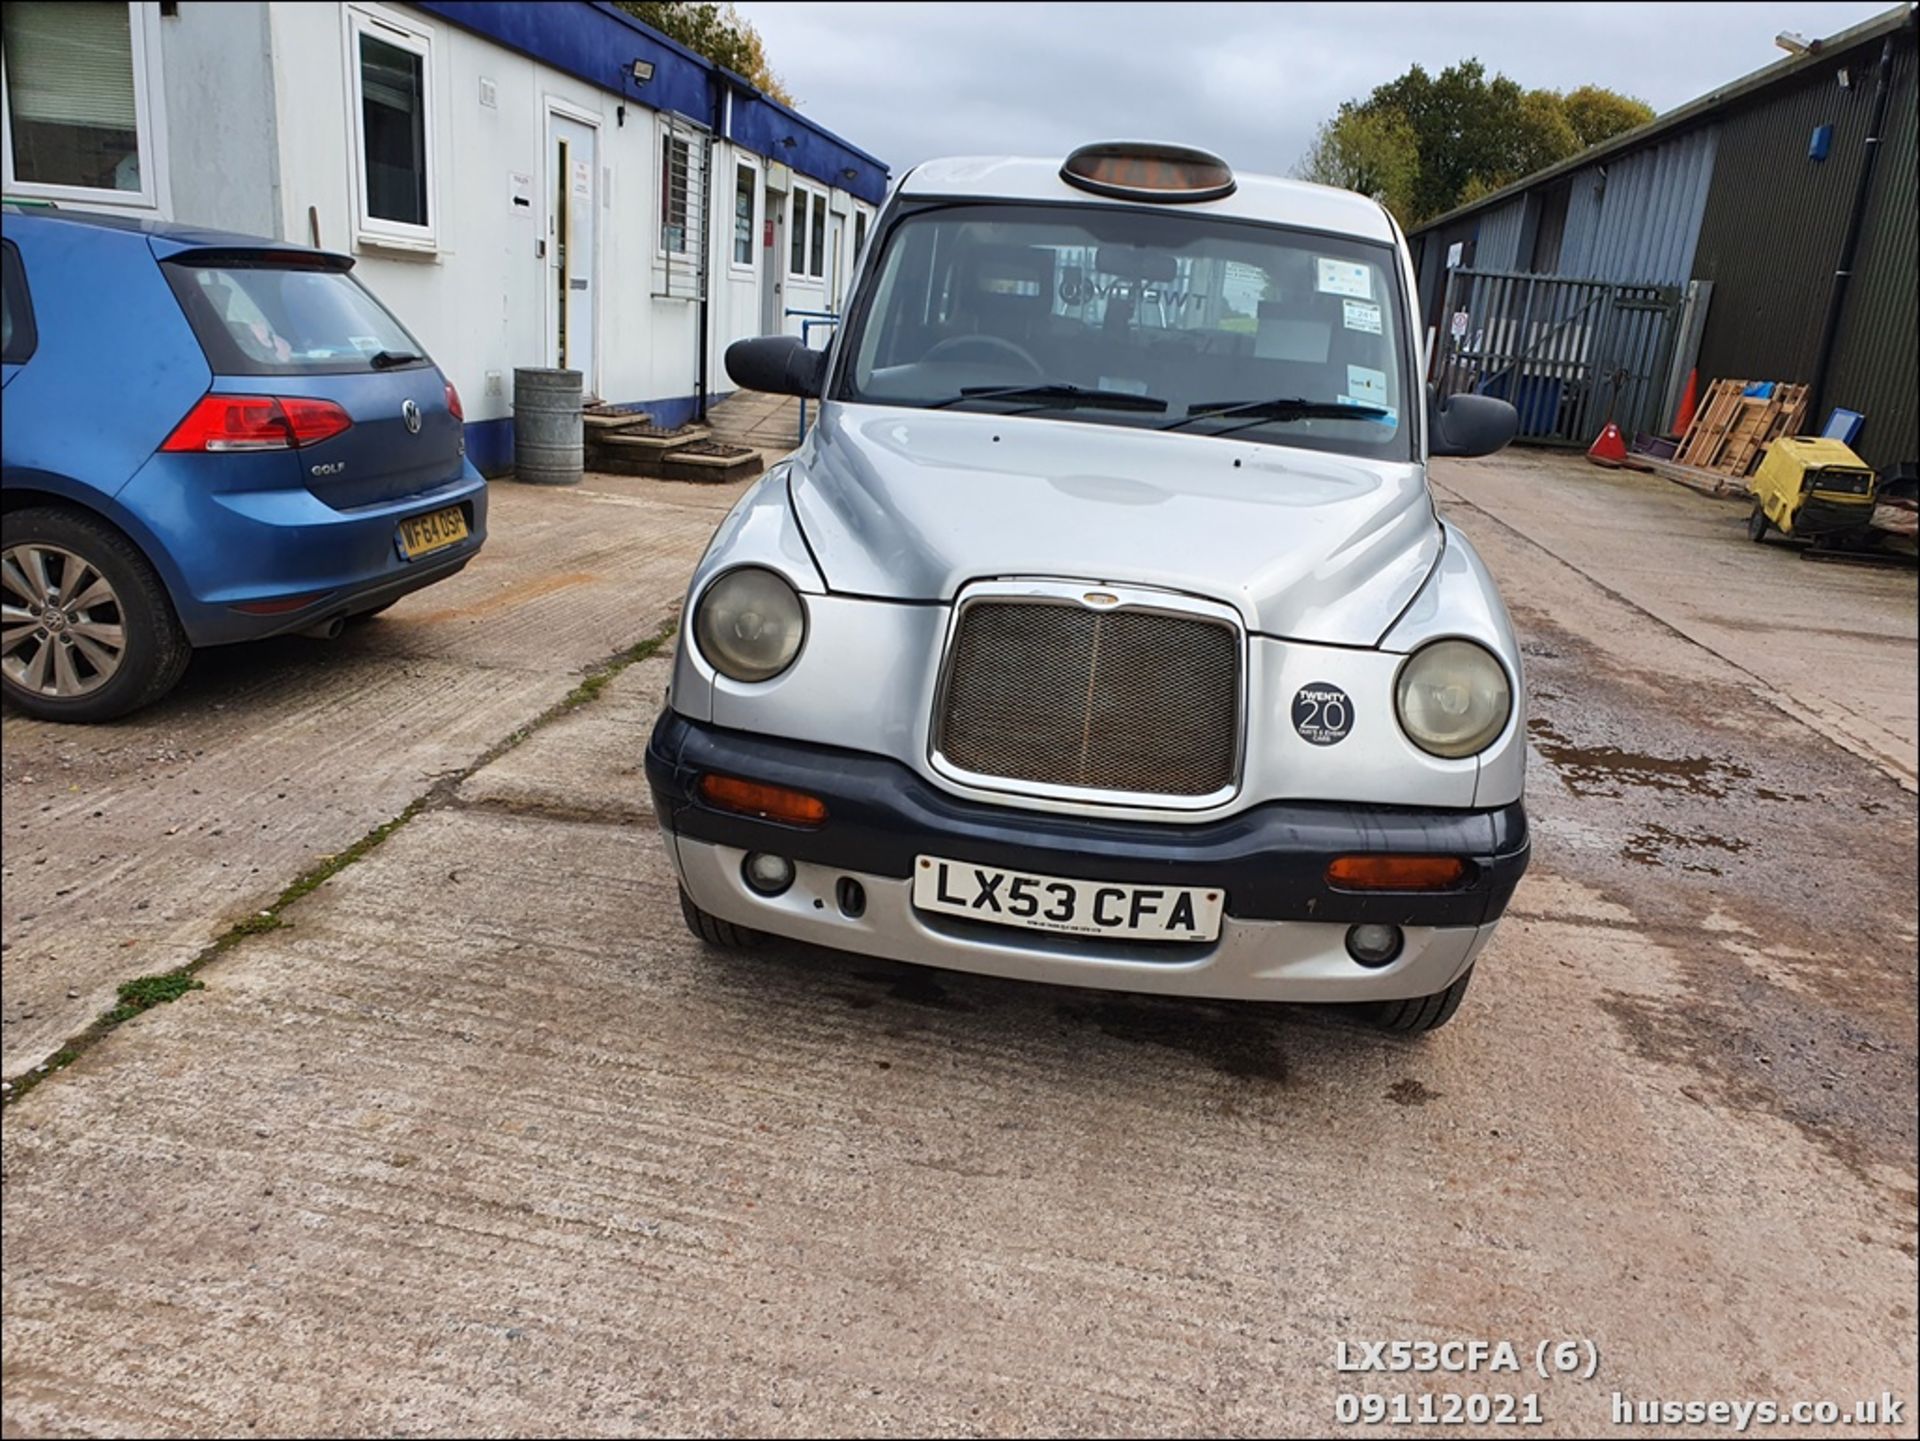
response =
{"points": [[1102, 630]]}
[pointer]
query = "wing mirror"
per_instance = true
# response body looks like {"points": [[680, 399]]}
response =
{"points": [[1465, 424], [778, 364]]}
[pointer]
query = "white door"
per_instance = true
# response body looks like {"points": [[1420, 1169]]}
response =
{"points": [[572, 174], [773, 268], [837, 264]]}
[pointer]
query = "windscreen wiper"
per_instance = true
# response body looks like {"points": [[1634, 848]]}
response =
{"points": [[1279, 408], [388, 359], [1051, 394]]}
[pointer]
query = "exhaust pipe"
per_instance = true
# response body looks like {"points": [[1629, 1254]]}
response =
{"points": [[327, 629]]}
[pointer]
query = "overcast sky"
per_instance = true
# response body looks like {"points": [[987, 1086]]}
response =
{"points": [[910, 81]]}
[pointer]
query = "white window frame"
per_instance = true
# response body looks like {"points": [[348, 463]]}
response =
{"points": [[752, 264], [802, 215], [150, 132], [392, 29]]}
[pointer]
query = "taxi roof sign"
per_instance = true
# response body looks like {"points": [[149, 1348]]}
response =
{"points": [[1150, 171]]}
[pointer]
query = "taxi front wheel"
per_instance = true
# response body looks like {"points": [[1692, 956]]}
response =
{"points": [[713, 930], [1757, 525], [1420, 1013]]}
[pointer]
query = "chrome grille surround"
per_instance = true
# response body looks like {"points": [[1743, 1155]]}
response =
{"points": [[1100, 694]]}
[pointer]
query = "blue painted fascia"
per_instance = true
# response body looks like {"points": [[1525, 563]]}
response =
{"points": [[598, 43]]}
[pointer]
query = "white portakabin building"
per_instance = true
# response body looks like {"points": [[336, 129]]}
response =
{"points": [[525, 183]]}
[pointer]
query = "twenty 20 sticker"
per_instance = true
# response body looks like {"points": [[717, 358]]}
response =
{"points": [[1323, 714]]}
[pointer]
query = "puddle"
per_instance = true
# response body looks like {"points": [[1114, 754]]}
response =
{"points": [[1409, 1092], [1603, 770], [1655, 845]]}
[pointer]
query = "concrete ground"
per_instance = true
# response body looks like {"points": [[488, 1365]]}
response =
{"points": [[479, 1139], [131, 847]]}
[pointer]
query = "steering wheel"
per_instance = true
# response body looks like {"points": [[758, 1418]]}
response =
{"points": [[954, 343]]}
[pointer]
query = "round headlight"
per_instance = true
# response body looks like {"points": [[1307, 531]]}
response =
{"points": [[749, 624], [1453, 698]]}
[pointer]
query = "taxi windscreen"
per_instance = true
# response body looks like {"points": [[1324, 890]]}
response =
{"points": [[1126, 317]]}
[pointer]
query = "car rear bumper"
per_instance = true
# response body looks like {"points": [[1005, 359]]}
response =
{"points": [[247, 564], [1285, 929]]}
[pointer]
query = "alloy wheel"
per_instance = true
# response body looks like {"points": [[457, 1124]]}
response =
{"points": [[63, 632]]}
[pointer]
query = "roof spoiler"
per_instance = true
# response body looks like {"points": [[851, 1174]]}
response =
{"points": [[265, 257]]}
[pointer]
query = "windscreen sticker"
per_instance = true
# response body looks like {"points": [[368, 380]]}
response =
{"points": [[1345, 277], [1124, 384], [1322, 714], [1360, 315], [1368, 387]]}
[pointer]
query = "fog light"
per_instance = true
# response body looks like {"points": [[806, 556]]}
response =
{"points": [[765, 874], [1374, 945]]}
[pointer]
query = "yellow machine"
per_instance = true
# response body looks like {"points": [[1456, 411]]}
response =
{"points": [[1811, 486]]}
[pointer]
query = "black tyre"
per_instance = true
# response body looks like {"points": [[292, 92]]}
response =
{"points": [[89, 632], [713, 930], [1421, 1013], [1757, 525]]}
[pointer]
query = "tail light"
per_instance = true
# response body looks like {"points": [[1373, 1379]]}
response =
{"points": [[257, 422], [453, 402]]}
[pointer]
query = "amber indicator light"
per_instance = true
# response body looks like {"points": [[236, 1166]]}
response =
{"points": [[1396, 873], [769, 803]]}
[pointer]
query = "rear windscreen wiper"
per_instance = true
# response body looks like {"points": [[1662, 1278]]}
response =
{"points": [[388, 359], [1279, 408], [1055, 393]]}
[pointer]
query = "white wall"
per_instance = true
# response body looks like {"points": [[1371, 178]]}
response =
{"points": [[480, 302], [255, 127], [217, 87]]}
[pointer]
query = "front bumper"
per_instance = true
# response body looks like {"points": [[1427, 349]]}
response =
{"points": [[1283, 938]]}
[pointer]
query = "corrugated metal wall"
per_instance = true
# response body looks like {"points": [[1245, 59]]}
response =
{"points": [[1498, 245], [1874, 365], [1637, 216], [1771, 235]]}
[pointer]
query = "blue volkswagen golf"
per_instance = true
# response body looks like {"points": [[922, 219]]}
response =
{"points": [[208, 438]]}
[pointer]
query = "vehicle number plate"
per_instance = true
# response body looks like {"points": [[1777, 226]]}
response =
{"points": [[436, 530], [1079, 908]]}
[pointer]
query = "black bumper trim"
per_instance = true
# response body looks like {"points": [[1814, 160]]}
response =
{"points": [[1271, 859]]}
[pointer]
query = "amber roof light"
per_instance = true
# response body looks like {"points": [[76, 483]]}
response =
{"points": [[1135, 170]]}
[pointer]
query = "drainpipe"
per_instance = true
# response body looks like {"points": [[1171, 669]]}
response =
{"points": [[1843, 273], [718, 88]]}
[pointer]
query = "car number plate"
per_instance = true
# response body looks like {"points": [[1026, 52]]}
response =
{"points": [[436, 530], [1078, 908]]}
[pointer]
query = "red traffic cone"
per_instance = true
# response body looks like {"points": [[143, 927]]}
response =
{"points": [[1689, 401], [1609, 447]]}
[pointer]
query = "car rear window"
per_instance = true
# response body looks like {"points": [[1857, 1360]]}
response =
{"points": [[16, 314], [261, 318]]}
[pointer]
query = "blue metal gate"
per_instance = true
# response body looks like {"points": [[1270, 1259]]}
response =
{"points": [[1567, 352]]}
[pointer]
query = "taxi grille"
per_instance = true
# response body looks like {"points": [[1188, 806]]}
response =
{"points": [[1117, 700]]}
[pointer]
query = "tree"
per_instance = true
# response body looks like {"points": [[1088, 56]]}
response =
{"points": [[1371, 151], [719, 32], [1598, 114], [1473, 133]]}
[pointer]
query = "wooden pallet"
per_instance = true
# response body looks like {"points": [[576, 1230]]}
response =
{"points": [[1731, 430]]}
